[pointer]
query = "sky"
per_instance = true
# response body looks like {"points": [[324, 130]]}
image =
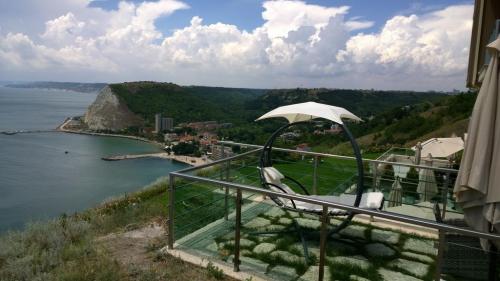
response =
{"points": [[357, 44]]}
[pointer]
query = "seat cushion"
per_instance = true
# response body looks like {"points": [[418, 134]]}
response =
{"points": [[272, 175], [369, 200]]}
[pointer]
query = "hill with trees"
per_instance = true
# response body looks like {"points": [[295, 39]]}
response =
{"points": [[390, 117]]}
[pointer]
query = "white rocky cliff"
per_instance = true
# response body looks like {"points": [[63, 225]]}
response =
{"points": [[108, 112]]}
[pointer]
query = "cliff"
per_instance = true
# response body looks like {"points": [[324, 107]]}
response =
{"points": [[109, 112]]}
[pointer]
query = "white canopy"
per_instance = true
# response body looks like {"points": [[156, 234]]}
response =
{"points": [[310, 110], [477, 187], [441, 147]]}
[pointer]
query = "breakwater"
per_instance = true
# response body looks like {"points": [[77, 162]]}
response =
{"points": [[26, 132]]}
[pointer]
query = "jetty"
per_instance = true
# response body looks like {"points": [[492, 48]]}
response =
{"points": [[190, 160], [26, 132]]}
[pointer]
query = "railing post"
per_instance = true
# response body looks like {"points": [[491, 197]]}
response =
{"points": [[322, 243], [445, 193], [375, 172], [171, 208], [440, 255], [237, 232], [226, 193], [315, 175]]}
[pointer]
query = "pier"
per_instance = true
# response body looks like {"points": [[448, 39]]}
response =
{"points": [[190, 160], [26, 132]]}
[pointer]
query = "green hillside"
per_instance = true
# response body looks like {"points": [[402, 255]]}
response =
{"points": [[363, 103], [185, 104], [404, 126], [242, 106]]}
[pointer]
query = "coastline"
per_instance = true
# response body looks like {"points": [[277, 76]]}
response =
{"points": [[190, 160]]}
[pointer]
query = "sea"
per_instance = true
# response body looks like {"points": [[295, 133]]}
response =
{"points": [[44, 175]]}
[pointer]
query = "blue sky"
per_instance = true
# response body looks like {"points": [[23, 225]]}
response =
{"points": [[246, 14], [390, 44]]}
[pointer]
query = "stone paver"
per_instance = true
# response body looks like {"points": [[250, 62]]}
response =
{"points": [[340, 247], [285, 221], [257, 223], [243, 243], [385, 236], [389, 275], [275, 212], [416, 268], [357, 278], [273, 227], [420, 246], [254, 264], [422, 258], [287, 257], [264, 248], [355, 231], [293, 214], [312, 274], [355, 261], [311, 249], [282, 273], [379, 250], [308, 223]]}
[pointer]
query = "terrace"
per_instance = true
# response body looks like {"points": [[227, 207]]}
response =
{"points": [[216, 210]]}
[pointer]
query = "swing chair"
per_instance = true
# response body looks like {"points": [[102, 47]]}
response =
{"points": [[271, 178]]}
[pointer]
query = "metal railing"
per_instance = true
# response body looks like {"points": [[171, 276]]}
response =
{"points": [[223, 182]]}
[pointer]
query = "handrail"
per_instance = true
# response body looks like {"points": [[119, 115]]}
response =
{"points": [[385, 215], [340, 157], [206, 165]]}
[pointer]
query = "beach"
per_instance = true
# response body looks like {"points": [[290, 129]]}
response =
{"points": [[190, 160]]}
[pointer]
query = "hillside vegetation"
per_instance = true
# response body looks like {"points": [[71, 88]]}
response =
{"points": [[405, 126], [242, 106], [185, 104], [196, 103]]}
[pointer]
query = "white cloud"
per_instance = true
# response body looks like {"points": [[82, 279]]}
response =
{"points": [[433, 44], [298, 45]]}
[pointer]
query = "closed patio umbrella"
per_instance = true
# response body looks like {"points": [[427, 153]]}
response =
{"points": [[396, 195], [427, 186], [477, 188], [418, 153]]}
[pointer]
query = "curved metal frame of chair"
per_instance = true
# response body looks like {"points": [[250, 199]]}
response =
{"points": [[266, 161]]}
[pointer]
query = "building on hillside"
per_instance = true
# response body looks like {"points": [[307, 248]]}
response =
{"points": [[170, 137], [157, 122], [219, 153], [188, 138], [167, 124], [290, 135], [207, 139], [334, 129], [163, 123], [204, 126]]}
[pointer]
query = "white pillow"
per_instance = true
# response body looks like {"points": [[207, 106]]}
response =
{"points": [[273, 175]]}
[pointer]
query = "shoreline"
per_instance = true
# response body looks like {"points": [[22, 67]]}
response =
{"points": [[190, 160], [61, 128]]}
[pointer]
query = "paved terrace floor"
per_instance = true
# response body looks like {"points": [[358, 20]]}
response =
{"points": [[360, 252]]}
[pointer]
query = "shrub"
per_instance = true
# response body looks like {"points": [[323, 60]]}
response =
{"points": [[214, 271]]}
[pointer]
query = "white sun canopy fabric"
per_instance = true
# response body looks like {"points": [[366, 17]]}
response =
{"points": [[310, 110], [477, 187], [441, 147]]}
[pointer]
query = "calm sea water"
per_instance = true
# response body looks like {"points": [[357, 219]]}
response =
{"points": [[38, 180]]}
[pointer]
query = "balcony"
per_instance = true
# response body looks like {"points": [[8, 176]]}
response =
{"points": [[220, 213]]}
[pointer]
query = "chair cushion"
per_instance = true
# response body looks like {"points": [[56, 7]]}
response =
{"points": [[272, 175], [369, 200]]}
